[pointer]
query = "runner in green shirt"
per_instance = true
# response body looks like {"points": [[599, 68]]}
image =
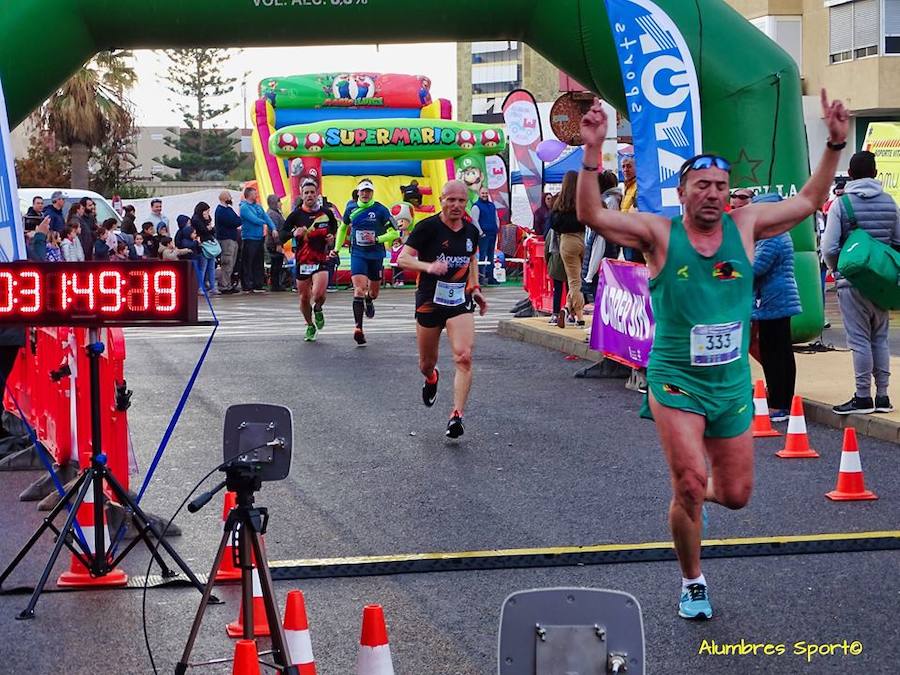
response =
{"points": [[701, 277]]}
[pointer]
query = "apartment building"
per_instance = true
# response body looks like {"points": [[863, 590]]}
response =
{"points": [[850, 47], [488, 71]]}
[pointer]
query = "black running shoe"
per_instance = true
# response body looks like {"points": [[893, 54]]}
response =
{"points": [[455, 426], [429, 391], [359, 336], [857, 405], [370, 307], [883, 404]]}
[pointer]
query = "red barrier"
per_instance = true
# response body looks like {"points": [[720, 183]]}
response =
{"points": [[535, 280], [51, 382]]}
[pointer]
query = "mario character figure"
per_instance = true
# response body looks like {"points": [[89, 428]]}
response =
{"points": [[424, 91], [288, 142], [469, 173], [314, 142], [490, 138], [465, 139], [363, 84], [341, 86]]}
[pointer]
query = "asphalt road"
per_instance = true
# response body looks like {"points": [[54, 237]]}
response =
{"points": [[547, 460]]}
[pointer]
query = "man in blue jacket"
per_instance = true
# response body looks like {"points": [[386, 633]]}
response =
{"points": [[484, 213], [255, 224], [228, 231], [54, 211]]}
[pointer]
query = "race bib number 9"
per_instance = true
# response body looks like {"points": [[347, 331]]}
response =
{"points": [[716, 344], [449, 294], [365, 237]]}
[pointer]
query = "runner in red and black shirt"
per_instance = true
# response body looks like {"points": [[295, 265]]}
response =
{"points": [[443, 249], [312, 228]]}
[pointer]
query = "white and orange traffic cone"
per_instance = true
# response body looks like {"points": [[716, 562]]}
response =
{"points": [[850, 483], [762, 424], [246, 660], [374, 651], [296, 634], [78, 574], [260, 620], [796, 445], [228, 571]]}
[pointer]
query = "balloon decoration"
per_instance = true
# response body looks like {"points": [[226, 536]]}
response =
{"points": [[550, 149]]}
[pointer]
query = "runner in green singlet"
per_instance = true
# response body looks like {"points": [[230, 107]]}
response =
{"points": [[701, 288]]}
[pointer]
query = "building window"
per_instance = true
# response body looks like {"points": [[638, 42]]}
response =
{"points": [[854, 30], [156, 137], [892, 26]]}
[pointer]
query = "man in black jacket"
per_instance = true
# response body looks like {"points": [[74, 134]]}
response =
{"points": [[228, 232]]}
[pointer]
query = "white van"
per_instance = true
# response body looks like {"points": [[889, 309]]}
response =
{"points": [[104, 208]]}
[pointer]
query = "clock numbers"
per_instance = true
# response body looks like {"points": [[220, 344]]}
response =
{"points": [[31, 289], [164, 287], [7, 290], [138, 297], [111, 288], [78, 284]]}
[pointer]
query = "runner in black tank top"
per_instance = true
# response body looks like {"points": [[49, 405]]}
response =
{"points": [[443, 249]]}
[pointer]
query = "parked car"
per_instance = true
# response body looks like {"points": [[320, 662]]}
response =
{"points": [[104, 208]]}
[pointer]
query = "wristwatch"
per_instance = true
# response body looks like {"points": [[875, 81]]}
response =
{"points": [[836, 146]]}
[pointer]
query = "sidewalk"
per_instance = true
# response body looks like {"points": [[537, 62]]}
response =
{"points": [[824, 379]]}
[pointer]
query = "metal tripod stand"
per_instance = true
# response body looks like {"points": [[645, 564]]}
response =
{"points": [[243, 528], [93, 478]]}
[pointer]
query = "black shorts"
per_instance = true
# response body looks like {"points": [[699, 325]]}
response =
{"points": [[431, 315], [307, 277]]}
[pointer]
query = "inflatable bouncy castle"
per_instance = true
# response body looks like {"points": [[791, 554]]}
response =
{"points": [[363, 97]]}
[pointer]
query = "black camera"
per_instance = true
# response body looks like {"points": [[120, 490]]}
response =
{"points": [[258, 439]]}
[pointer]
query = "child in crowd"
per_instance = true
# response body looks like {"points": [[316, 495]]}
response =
{"points": [[54, 253], [168, 251], [121, 252], [139, 245], [101, 249]]}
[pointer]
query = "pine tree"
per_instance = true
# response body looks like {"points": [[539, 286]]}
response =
{"points": [[196, 78]]}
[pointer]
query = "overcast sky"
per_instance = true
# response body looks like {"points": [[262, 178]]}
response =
{"points": [[437, 61]]}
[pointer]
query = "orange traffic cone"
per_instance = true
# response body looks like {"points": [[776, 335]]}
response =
{"points": [[246, 660], [762, 425], [796, 444], [374, 651], [260, 620], [78, 574], [227, 570], [850, 485], [296, 634]]}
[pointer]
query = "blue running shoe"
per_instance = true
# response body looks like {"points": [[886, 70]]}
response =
{"points": [[704, 515], [694, 603]]}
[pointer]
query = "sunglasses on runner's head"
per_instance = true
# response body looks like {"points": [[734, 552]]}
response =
{"points": [[704, 162]]}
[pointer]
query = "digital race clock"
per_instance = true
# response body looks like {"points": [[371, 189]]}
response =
{"points": [[98, 293]]}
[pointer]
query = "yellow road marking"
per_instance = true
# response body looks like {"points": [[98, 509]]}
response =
{"points": [[563, 550]]}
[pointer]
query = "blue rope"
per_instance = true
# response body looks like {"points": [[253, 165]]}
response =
{"points": [[178, 410]]}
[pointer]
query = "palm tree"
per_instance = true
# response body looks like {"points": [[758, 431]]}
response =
{"points": [[90, 108]]}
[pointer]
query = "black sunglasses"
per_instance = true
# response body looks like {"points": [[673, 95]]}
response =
{"points": [[701, 162], [740, 195]]}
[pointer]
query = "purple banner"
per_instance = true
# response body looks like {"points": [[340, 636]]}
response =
{"points": [[622, 325]]}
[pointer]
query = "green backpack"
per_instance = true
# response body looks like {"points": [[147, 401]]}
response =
{"points": [[873, 268]]}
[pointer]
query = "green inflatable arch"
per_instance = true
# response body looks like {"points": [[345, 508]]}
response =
{"points": [[750, 88]]}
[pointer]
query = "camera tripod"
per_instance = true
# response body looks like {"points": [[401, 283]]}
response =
{"points": [[243, 528], [94, 555]]}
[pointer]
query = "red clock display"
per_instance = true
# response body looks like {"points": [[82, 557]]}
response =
{"points": [[102, 293]]}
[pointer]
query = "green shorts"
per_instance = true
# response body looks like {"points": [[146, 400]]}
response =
{"points": [[724, 419]]}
